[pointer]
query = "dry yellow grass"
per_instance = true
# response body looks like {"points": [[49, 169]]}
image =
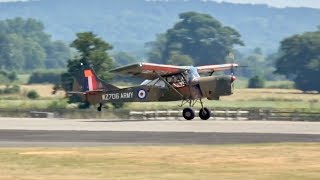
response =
{"points": [[271, 94], [44, 90], [268, 161]]}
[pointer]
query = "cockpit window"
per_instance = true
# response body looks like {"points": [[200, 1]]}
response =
{"points": [[176, 80], [193, 73], [156, 82]]}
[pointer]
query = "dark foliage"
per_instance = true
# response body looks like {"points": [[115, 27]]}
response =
{"points": [[299, 59], [197, 39], [256, 82], [25, 46], [40, 77], [33, 94]]}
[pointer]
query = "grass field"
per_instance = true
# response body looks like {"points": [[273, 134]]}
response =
{"points": [[251, 98], [242, 98], [256, 161]]}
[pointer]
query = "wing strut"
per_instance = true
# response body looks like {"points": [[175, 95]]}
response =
{"points": [[169, 85]]}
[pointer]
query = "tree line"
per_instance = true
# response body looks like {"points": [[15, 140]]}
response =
{"points": [[299, 60], [25, 46], [128, 24], [195, 39]]}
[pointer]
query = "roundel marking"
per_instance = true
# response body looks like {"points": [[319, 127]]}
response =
{"points": [[142, 94]]}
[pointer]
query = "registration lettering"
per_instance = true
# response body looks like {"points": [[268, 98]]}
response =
{"points": [[116, 96]]}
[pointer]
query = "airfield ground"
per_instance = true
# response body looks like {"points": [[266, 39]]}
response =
{"points": [[124, 149], [255, 161]]}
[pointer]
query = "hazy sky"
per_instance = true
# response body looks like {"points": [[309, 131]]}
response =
{"points": [[11, 0], [275, 3], [279, 3]]}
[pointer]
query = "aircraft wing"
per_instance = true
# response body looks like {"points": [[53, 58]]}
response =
{"points": [[149, 70], [213, 68]]}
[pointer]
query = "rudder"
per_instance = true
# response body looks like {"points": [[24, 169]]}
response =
{"points": [[91, 82]]}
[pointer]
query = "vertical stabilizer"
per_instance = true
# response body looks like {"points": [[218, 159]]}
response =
{"points": [[89, 81]]}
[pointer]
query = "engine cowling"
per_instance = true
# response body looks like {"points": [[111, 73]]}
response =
{"points": [[212, 87]]}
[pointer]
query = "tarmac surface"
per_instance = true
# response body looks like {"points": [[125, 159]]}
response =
{"points": [[26, 132]]}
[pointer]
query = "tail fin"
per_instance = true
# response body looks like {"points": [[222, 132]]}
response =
{"points": [[89, 81]]}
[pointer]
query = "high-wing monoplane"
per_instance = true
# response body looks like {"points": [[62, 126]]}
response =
{"points": [[162, 83]]}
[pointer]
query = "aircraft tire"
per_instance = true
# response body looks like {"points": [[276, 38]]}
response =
{"points": [[188, 113], [204, 113], [99, 109]]}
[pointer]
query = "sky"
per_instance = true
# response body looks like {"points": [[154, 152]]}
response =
{"points": [[279, 3], [11, 0], [274, 3]]}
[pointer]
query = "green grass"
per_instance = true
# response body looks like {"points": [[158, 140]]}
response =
{"points": [[249, 98], [242, 98], [255, 161], [242, 83], [27, 104], [280, 84], [293, 105]]}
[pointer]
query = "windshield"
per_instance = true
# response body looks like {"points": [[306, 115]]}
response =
{"points": [[193, 73]]}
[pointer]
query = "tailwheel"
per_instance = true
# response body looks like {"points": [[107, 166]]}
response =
{"points": [[204, 113], [99, 108], [188, 113]]}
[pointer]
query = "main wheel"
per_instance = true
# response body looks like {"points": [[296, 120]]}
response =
{"points": [[204, 113], [99, 108], [188, 113]]}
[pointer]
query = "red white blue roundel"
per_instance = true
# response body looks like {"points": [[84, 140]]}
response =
{"points": [[142, 94]]}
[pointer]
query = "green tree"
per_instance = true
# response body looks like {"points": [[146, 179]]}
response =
{"points": [[91, 52], [200, 36], [157, 49], [25, 46], [57, 55], [180, 59], [299, 59], [256, 82], [7, 77], [34, 55], [33, 94], [123, 58]]}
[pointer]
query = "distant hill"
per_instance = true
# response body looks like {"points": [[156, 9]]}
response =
{"points": [[128, 24]]}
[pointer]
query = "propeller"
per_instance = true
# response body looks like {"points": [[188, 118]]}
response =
{"points": [[231, 56], [232, 70]]}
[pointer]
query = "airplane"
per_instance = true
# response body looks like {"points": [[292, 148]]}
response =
{"points": [[162, 83]]}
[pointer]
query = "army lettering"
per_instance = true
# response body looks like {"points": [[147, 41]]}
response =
{"points": [[115, 96]]}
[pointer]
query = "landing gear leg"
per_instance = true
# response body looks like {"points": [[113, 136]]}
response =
{"points": [[204, 112], [99, 108]]}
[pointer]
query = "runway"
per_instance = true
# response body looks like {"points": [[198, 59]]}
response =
{"points": [[17, 132]]}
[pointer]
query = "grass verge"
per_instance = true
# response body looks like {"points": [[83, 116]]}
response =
{"points": [[256, 161]]}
